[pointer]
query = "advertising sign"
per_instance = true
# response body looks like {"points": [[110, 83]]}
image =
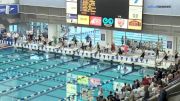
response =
{"points": [[121, 23], [2, 9], [71, 89], [94, 82], [71, 18], [95, 21], [135, 24], [9, 9], [13, 9], [83, 80], [136, 2], [83, 19], [135, 12], [108, 22], [71, 8]]}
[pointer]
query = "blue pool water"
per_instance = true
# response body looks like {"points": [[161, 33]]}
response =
{"points": [[32, 77]]}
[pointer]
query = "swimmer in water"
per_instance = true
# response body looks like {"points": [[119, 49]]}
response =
{"points": [[125, 69]]}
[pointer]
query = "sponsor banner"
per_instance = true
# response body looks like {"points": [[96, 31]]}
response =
{"points": [[95, 21], [83, 80], [121, 23], [9, 9], [13, 9], [136, 2], [71, 18], [2, 9], [135, 24], [135, 12], [108, 22], [71, 89], [71, 7], [83, 19], [94, 82]]}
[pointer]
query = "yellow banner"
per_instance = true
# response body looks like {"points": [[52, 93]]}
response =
{"points": [[83, 80], [83, 19], [135, 24]]}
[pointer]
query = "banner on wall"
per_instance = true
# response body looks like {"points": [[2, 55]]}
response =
{"points": [[136, 2], [71, 18], [2, 9], [121, 23], [135, 12], [83, 19], [9, 9], [83, 80], [71, 90], [135, 24], [95, 21], [71, 7]]}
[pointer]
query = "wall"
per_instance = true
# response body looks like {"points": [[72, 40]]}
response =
{"points": [[162, 7], [9, 1], [45, 3]]}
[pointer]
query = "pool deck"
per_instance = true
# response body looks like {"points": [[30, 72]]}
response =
{"points": [[149, 61]]}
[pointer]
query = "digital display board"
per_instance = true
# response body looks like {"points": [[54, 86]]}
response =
{"points": [[120, 14]]}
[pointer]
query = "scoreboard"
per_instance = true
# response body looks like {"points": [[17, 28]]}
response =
{"points": [[120, 14]]}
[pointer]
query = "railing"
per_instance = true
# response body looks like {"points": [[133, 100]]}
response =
{"points": [[171, 86]]}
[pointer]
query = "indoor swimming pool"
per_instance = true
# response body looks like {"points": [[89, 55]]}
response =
{"points": [[29, 76]]}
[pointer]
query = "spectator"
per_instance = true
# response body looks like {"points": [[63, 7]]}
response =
{"points": [[138, 83], [110, 96], [176, 56], [90, 44], [124, 87], [128, 88], [146, 93], [134, 86], [112, 47], [119, 51], [100, 93], [131, 97], [162, 94], [145, 81]]}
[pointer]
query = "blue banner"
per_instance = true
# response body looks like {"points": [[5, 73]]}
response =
{"points": [[13, 9], [9, 9], [2, 9]]}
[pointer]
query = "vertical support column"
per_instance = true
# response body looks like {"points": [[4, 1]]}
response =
{"points": [[178, 44]]}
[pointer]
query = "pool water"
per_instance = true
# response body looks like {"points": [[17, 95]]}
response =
{"points": [[26, 75]]}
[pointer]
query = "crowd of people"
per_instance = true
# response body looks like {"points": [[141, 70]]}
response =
{"points": [[87, 45], [147, 87]]}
